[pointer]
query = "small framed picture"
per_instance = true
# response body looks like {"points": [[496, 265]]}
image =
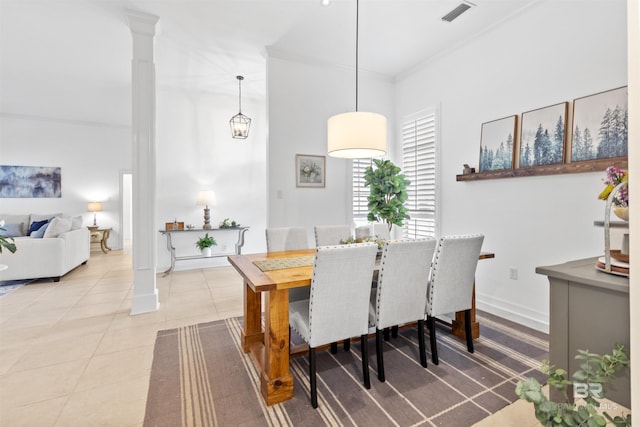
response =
{"points": [[542, 137], [497, 144], [310, 171], [600, 126]]}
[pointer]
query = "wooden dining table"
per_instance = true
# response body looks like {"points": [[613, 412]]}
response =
{"points": [[270, 346]]}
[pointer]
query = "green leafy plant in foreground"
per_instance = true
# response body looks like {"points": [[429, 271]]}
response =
{"points": [[594, 369], [6, 242]]}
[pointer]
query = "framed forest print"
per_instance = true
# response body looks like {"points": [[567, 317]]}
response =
{"points": [[600, 126], [542, 136], [497, 144]]}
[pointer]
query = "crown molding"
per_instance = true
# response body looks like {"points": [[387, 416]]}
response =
{"points": [[35, 118], [306, 60]]}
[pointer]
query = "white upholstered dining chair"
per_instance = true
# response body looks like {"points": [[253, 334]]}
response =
{"points": [[338, 305], [288, 239], [401, 294], [327, 235], [377, 229], [381, 230], [451, 285], [362, 231]]}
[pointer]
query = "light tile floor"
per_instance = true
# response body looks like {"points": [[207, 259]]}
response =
{"points": [[72, 355]]}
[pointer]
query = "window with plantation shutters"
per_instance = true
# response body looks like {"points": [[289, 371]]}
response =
{"points": [[360, 192], [418, 139]]}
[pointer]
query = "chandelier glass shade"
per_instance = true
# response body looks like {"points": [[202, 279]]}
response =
{"points": [[240, 123]]}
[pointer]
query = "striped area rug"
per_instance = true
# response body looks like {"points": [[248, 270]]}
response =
{"points": [[201, 377]]}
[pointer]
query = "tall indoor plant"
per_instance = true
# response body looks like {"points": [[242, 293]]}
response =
{"points": [[388, 193]]}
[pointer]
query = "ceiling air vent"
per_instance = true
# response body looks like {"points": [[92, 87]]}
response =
{"points": [[459, 10]]}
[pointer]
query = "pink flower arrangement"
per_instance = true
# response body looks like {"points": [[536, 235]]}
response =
{"points": [[616, 176]]}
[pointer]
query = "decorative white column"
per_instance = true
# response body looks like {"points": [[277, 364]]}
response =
{"points": [[145, 293], [633, 75]]}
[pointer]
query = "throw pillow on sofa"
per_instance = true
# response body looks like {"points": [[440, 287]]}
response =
{"points": [[11, 230], [39, 233], [35, 226], [57, 226], [40, 217], [76, 222], [17, 219]]}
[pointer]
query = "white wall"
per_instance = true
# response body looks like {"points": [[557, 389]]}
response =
{"points": [[552, 52], [89, 154], [301, 97], [195, 151]]}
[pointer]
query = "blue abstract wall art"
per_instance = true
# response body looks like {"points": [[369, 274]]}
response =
{"points": [[30, 182]]}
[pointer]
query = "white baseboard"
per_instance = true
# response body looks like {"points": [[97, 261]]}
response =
{"points": [[514, 312], [196, 264], [144, 303]]}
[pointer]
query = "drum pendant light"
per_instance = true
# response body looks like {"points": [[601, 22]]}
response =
{"points": [[357, 134], [240, 123]]}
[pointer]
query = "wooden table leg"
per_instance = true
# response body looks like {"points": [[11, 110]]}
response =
{"points": [[252, 331], [276, 381], [103, 241], [457, 326]]}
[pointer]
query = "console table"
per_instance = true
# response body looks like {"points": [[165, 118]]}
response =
{"points": [[589, 310], [202, 231]]}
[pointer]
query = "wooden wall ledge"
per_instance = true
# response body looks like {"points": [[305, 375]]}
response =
{"points": [[588, 166]]}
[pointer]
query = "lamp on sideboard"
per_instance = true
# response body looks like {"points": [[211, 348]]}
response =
{"points": [[94, 207], [206, 198]]}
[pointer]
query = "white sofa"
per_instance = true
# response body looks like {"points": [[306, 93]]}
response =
{"points": [[51, 256]]}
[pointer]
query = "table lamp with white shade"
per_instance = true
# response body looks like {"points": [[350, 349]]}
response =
{"points": [[94, 207], [206, 198]]}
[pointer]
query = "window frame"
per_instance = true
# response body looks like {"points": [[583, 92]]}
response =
{"points": [[431, 227]]}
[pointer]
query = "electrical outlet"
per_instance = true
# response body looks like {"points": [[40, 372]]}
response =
{"points": [[224, 248], [513, 273]]}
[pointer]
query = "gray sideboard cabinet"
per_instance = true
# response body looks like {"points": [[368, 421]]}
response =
{"points": [[589, 310]]}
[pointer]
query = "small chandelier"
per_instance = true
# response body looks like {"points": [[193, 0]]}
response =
{"points": [[357, 134], [240, 123]]}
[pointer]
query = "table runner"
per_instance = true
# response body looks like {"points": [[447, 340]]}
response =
{"points": [[282, 263]]}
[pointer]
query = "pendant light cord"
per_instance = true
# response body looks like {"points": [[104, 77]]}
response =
{"points": [[240, 93], [357, 20]]}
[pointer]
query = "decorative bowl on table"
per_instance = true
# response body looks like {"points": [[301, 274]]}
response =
{"points": [[621, 212], [349, 240]]}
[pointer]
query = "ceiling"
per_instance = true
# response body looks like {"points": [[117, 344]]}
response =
{"points": [[61, 56]]}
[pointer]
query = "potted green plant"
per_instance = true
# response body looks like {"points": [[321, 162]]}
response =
{"points": [[205, 243], [388, 193], [595, 371], [229, 223]]}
